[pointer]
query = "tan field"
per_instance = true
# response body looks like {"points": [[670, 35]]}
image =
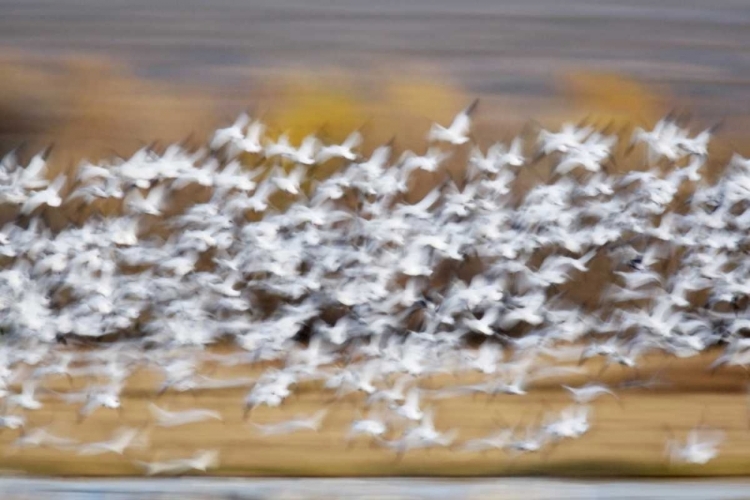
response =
{"points": [[627, 437]]}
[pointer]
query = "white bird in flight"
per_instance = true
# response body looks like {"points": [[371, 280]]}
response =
{"points": [[458, 131], [165, 418]]}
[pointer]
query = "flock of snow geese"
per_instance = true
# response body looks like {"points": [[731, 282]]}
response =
{"points": [[342, 280]]}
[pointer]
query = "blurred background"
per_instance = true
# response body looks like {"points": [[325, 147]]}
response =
{"points": [[96, 76]]}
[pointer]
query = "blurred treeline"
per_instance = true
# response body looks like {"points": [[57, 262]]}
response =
{"points": [[92, 108]]}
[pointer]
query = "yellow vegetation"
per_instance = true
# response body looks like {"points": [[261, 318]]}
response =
{"points": [[612, 98]]}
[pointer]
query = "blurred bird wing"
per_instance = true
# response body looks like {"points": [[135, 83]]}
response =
{"points": [[59, 183], [35, 170], [462, 121], [255, 131], [242, 121], [412, 400], [353, 140], [516, 146], [307, 148], [160, 414]]}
